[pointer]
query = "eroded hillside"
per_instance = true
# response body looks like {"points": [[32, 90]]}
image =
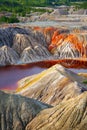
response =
{"points": [[62, 93], [20, 45], [52, 86], [68, 115], [65, 91]]}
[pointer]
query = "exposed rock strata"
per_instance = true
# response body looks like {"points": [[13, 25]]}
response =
{"points": [[32, 54], [8, 56], [57, 86], [42, 43], [69, 45], [28, 44], [52, 86], [20, 42], [68, 115], [16, 111], [7, 34]]}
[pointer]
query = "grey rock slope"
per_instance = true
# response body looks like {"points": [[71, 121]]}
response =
{"points": [[16, 111], [27, 44], [36, 53], [8, 56], [7, 35]]}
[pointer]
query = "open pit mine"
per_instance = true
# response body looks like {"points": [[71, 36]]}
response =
{"points": [[54, 98]]}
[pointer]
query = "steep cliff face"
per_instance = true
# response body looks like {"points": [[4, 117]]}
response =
{"points": [[68, 115], [16, 111], [52, 86]]}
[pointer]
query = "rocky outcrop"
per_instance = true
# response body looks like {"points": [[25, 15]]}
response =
{"points": [[16, 111], [68, 115], [52, 86], [8, 56]]}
